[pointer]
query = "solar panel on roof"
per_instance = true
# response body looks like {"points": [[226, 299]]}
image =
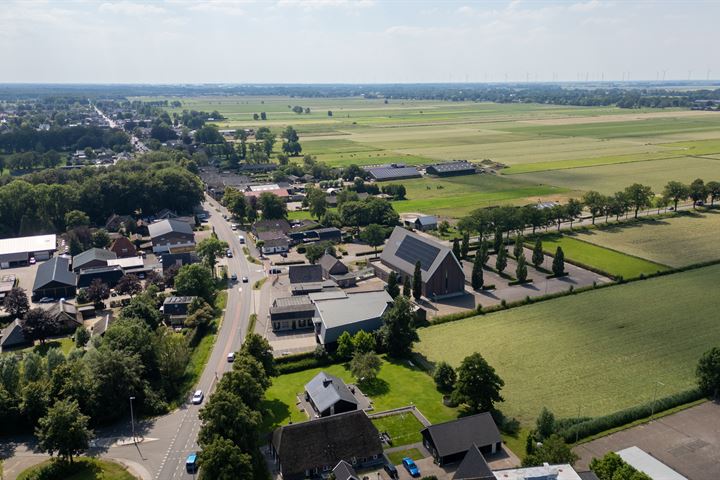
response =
{"points": [[411, 250]]}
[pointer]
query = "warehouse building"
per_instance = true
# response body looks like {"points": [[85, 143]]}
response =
{"points": [[450, 169], [54, 279], [394, 171], [15, 252]]}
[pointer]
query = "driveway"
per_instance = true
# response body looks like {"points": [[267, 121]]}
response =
{"points": [[687, 441]]}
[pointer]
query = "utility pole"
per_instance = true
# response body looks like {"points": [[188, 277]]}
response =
{"points": [[132, 419]]}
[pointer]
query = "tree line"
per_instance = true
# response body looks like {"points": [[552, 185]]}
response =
{"points": [[38, 203], [26, 139]]}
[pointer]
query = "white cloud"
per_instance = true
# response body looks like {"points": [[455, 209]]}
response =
{"points": [[318, 4], [131, 8], [585, 6], [221, 7]]}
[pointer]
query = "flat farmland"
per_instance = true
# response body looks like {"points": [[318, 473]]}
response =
{"points": [[677, 241], [592, 353], [608, 179]]}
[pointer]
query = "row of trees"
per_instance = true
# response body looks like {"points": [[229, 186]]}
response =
{"points": [[38, 203], [27, 139], [232, 417]]}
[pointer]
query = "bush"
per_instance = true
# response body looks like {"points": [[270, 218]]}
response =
{"points": [[301, 249]]}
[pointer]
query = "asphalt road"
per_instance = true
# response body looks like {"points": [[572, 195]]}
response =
{"points": [[168, 439]]}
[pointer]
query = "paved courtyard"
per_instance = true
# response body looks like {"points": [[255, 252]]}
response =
{"points": [[688, 442]]}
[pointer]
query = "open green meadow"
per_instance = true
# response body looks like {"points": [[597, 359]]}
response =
{"points": [[398, 385], [680, 240], [403, 428], [592, 353], [610, 261]]}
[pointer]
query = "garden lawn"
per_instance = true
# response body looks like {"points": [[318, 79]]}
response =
{"points": [[615, 263], [684, 239], [397, 385], [84, 469], [592, 353], [403, 428], [397, 457]]}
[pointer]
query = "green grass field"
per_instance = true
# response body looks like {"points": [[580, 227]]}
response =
{"points": [[610, 261], [592, 353], [403, 428], [398, 385], [677, 241], [396, 457], [84, 469]]}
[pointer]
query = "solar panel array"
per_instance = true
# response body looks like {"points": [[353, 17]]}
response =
{"points": [[411, 250]]}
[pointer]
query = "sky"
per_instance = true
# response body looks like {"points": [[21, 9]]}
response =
{"points": [[356, 41]]}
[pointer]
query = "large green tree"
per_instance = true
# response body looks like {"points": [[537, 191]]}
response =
{"points": [[478, 385], [675, 192], [554, 451], [195, 280], [373, 235], [393, 288], [64, 430], [398, 334], [365, 366], [417, 281], [538, 256], [259, 348], [558, 265], [221, 459], [225, 415], [209, 249], [698, 191], [640, 196], [476, 279], [272, 206], [708, 372]]}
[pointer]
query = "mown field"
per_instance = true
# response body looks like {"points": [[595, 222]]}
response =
{"points": [[681, 240], [610, 261], [592, 353]]}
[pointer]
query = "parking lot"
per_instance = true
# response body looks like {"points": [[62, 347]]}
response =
{"points": [[687, 441], [25, 277]]}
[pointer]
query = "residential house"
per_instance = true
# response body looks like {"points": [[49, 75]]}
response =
{"points": [[12, 336], [122, 247], [473, 466], [66, 314], [340, 312], [273, 241], [92, 258], [449, 442], [171, 236], [169, 260], [292, 313], [330, 234], [449, 169], [328, 395], [281, 225], [115, 222], [314, 448], [110, 276], [344, 471], [54, 279], [331, 266], [306, 279], [441, 273], [175, 309], [423, 223]]}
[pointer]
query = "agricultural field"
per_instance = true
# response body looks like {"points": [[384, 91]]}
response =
{"points": [[397, 385], [592, 353], [676, 241], [610, 261]]}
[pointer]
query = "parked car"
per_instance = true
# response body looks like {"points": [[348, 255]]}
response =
{"points": [[391, 470], [233, 277], [283, 254], [191, 463], [242, 239], [231, 357], [198, 397], [410, 466], [228, 253], [245, 280], [275, 271], [233, 226], [46, 300], [33, 261]]}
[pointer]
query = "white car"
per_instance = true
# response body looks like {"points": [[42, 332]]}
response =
{"points": [[198, 397], [231, 357], [233, 226]]}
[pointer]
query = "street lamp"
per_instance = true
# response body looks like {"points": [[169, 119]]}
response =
{"points": [[132, 418]]}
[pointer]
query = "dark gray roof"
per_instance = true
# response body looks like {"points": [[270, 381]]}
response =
{"points": [[12, 335], [451, 167], [588, 476], [265, 225], [305, 273], [344, 471], [390, 172], [459, 435], [103, 324], [179, 300], [326, 390], [404, 248], [296, 303], [57, 269], [325, 441], [81, 259], [163, 227], [327, 262], [425, 220], [473, 467]]}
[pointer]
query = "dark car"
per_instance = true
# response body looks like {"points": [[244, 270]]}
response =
{"points": [[191, 463], [391, 470], [410, 466]]}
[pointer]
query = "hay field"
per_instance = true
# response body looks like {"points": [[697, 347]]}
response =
{"points": [[592, 353], [677, 241]]}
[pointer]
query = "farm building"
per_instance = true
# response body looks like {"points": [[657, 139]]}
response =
{"points": [[311, 449], [423, 223], [54, 279], [441, 273], [7, 283], [331, 266], [92, 258], [171, 234], [394, 171], [348, 313], [328, 395], [15, 252], [110, 276], [449, 442], [449, 169]]}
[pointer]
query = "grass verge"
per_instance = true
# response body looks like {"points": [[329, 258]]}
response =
{"points": [[396, 457], [81, 469], [403, 428]]}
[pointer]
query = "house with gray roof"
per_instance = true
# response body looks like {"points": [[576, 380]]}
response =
{"points": [[441, 273], [292, 313], [54, 279], [474, 466], [344, 471], [449, 442], [329, 395], [91, 258], [349, 313], [171, 235], [12, 336]]}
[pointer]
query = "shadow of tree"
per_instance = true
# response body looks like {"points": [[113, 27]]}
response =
{"points": [[274, 412], [374, 387]]}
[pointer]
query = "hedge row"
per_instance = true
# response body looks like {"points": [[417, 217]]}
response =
{"points": [[368, 252], [290, 262], [623, 417], [305, 363]]}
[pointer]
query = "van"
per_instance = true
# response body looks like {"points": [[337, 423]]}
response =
{"points": [[191, 463], [242, 239]]}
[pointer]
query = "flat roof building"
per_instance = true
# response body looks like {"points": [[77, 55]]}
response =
{"points": [[350, 313], [17, 251], [448, 169], [394, 171]]}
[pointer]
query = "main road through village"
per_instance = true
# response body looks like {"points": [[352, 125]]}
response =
{"points": [[164, 442]]}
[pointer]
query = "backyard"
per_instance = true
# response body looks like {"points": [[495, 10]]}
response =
{"points": [[592, 353]]}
